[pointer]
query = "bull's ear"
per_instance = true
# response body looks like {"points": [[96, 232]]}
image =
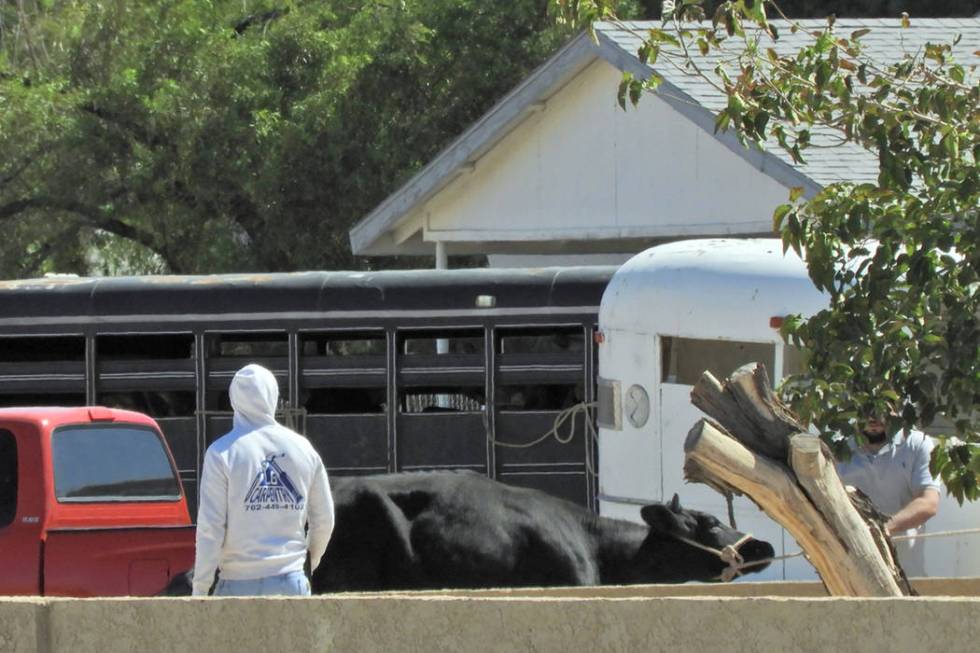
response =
{"points": [[659, 517]]}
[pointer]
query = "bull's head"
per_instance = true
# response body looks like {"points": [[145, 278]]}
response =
{"points": [[699, 544]]}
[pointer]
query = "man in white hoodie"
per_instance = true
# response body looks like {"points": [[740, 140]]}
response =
{"points": [[261, 485]]}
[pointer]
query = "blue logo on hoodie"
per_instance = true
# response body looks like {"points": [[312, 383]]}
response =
{"points": [[272, 489]]}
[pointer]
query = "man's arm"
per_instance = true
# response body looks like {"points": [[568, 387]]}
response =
{"points": [[915, 513], [321, 515], [212, 518], [925, 505]]}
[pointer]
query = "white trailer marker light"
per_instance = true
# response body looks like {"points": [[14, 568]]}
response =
{"points": [[609, 414]]}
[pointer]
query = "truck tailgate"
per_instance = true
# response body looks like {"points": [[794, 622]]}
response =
{"points": [[128, 561]]}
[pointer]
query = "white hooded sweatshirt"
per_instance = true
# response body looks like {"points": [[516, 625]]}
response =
{"points": [[260, 486]]}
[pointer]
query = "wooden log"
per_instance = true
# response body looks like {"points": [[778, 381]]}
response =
{"points": [[748, 409], [750, 386], [876, 520], [810, 460], [773, 487], [717, 402]]}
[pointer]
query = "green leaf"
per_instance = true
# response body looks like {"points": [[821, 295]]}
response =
{"points": [[636, 89], [823, 73], [722, 120], [951, 143], [760, 121], [780, 214], [624, 89]]}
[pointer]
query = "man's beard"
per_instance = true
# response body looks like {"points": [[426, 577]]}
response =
{"points": [[874, 437]]}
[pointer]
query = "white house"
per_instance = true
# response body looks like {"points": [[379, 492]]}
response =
{"points": [[556, 172]]}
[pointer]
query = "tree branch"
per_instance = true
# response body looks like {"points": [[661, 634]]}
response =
{"points": [[92, 217], [17, 170], [261, 19], [139, 132]]}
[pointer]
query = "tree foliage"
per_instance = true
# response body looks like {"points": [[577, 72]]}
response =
{"points": [[214, 135], [651, 9], [899, 259]]}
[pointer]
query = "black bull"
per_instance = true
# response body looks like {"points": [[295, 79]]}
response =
{"points": [[436, 530]]}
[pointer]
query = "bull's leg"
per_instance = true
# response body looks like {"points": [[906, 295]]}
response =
{"points": [[370, 549], [551, 562]]}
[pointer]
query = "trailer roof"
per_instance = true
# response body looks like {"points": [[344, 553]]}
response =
{"points": [[709, 288], [301, 294]]}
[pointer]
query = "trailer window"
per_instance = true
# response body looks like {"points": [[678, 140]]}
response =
{"points": [[156, 346], [42, 399], [541, 341], [8, 477], [344, 401], [532, 397], [36, 349], [793, 362], [343, 372], [447, 399], [343, 344], [248, 345], [468, 342], [111, 463], [683, 360]]}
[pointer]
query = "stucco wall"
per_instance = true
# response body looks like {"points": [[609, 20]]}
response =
{"points": [[20, 621], [512, 621], [934, 587]]}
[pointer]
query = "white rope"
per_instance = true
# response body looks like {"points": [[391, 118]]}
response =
{"points": [[761, 561], [964, 531], [728, 554], [896, 538], [591, 435], [560, 420]]}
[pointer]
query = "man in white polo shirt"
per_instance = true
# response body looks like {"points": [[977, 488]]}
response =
{"points": [[261, 485], [894, 473]]}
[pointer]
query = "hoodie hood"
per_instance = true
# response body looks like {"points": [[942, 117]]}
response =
{"points": [[254, 394]]}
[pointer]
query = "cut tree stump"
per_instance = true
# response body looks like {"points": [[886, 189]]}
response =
{"points": [[755, 446]]}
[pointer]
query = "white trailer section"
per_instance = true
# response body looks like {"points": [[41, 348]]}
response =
{"points": [[675, 310]]}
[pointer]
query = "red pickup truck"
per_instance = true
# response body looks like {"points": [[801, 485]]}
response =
{"points": [[90, 504]]}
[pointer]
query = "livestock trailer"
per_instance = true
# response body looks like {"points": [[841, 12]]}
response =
{"points": [[384, 371], [678, 309]]}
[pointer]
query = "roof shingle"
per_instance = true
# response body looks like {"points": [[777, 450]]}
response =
{"points": [[828, 161]]}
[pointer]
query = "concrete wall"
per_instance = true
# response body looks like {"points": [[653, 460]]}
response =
{"points": [[933, 587], [601, 619]]}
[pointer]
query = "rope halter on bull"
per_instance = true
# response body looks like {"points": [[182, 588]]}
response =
{"points": [[729, 555], [736, 563]]}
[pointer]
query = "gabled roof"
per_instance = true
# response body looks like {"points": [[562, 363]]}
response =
{"points": [[887, 41], [692, 96]]}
